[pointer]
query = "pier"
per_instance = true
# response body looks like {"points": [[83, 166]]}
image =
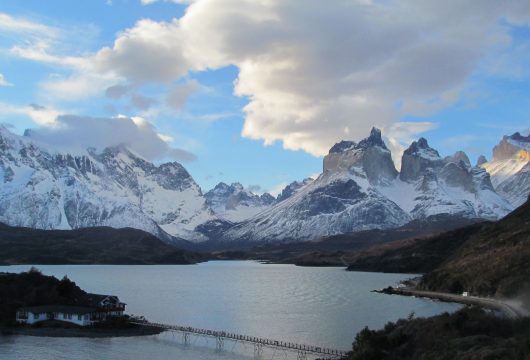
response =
{"points": [[304, 352]]}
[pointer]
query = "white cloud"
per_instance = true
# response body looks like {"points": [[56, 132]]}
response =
{"points": [[78, 133], [3, 81], [41, 115], [17, 25], [317, 73], [79, 85], [150, 51], [313, 73]]}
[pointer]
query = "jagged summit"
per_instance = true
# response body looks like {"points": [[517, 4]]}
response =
{"points": [[292, 188], [518, 137], [481, 160], [117, 188], [375, 139], [511, 146], [458, 157], [421, 148], [510, 168], [235, 203], [417, 159], [359, 189], [370, 156], [342, 146]]}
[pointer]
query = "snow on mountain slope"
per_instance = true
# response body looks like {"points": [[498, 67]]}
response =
{"points": [[235, 203], [292, 188], [429, 185], [114, 188], [510, 168], [340, 200], [360, 189]]}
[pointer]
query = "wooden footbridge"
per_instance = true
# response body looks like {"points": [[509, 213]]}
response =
{"points": [[304, 352]]}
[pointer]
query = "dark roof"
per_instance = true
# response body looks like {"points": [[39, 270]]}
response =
{"points": [[65, 309], [96, 299]]}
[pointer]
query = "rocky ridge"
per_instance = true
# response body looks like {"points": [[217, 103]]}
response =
{"points": [[510, 168], [360, 189]]}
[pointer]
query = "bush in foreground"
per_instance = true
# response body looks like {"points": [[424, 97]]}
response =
{"points": [[467, 334]]}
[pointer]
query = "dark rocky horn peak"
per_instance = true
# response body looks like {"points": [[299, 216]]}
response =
{"points": [[510, 146], [375, 139], [459, 157], [221, 185], [518, 137], [341, 146], [417, 159], [421, 147], [481, 160]]}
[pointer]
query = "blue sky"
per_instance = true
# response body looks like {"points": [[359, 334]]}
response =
{"points": [[256, 91]]}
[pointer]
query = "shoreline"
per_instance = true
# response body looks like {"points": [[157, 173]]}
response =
{"points": [[487, 303], [80, 332]]}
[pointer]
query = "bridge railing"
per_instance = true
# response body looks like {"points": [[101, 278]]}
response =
{"points": [[247, 338]]}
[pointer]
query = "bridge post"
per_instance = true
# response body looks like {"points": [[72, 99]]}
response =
{"points": [[219, 343], [258, 351], [186, 338], [302, 355]]}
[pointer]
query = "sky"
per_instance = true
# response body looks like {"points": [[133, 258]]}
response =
{"points": [[257, 91]]}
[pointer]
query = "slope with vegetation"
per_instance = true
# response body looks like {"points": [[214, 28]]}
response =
{"points": [[493, 261], [97, 245], [486, 259], [33, 288], [465, 335]]}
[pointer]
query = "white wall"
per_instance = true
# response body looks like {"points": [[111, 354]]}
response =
{"points": [[33, 318]]}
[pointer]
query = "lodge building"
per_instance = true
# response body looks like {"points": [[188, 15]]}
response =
{"points": [[98, 308]]}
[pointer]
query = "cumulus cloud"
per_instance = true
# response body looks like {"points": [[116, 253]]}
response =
{"points": [[77, 133], [3, 81], [317, 73], [150, 51]]}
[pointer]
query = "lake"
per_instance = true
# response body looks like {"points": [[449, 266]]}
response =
{"points": [[317, 306]]}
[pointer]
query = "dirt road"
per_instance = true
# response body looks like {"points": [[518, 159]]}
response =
{"points": [[489, 303]]}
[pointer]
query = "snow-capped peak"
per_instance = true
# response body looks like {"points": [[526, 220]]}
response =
{"points": [[114, 187], [235, 203], [510, 168], [370, 158]]}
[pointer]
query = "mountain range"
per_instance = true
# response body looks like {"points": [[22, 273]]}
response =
{"points": [[358, 189]]}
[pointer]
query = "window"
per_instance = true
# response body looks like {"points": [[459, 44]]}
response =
{"points": [[36, 316], [79, 317], [86, 317], [22, 315]]}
